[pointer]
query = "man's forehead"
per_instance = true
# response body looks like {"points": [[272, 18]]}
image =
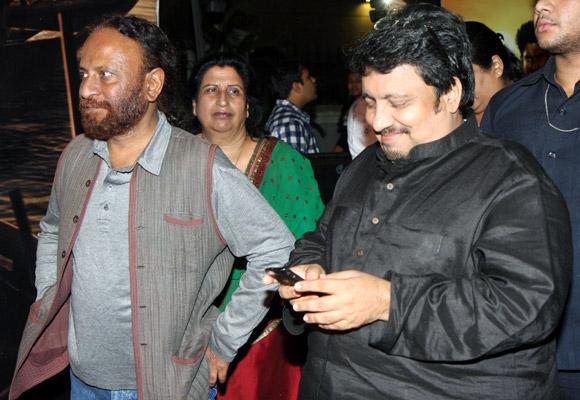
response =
{"points": [[109, 40], [402, 81], [398, 69]]}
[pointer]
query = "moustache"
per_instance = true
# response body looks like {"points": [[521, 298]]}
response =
{"points": [[394, 129], [87, 104], [542, 18]]}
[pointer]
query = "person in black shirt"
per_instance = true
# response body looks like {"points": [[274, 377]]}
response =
{"points": [[542, 112]]}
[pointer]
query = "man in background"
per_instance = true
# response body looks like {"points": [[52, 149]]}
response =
{"points": [[294, 87], [542, 112], [532, 56]]}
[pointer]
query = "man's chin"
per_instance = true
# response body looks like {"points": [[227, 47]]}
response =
{"points": [[101, 134], [395, 155]]}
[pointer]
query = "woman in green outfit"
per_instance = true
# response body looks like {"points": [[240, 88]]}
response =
{"points": [[228, 115]]}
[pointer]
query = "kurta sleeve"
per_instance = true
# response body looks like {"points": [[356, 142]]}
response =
{"points": [[310, 249], [521, 253]]}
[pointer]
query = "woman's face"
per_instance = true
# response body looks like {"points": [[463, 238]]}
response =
{"points": [[221, 105], [487, 83]]}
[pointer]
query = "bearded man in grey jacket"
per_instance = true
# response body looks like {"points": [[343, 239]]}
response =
{"points": [[138, 239]]}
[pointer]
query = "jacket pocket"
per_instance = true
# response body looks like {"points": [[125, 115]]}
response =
{"points": [[182, 219]]}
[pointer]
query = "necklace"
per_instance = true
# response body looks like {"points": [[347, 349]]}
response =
{"points": [[548, 114]]}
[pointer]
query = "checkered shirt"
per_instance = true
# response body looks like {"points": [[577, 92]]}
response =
{"points": [[292, 125]]}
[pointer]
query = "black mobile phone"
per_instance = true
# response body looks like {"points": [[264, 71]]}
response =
{"points": [[285, 276]]}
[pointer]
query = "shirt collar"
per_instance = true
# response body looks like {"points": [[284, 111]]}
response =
{"points": [[548, 72], [152, 157], [456, 138], [287, 103]]}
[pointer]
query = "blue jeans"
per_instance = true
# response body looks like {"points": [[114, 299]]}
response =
{"points": [[81, 391]]}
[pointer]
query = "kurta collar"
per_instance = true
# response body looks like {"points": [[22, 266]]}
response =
{"points": [[152, 157]]}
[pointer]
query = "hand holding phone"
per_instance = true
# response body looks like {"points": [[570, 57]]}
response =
{"points": [[285, 276]]}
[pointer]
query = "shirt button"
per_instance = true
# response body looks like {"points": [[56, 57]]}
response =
{"points": [[88, 183], [551, 154], [63, 254], [109, 187], [360, 252], [562, 111], [75, 219], [390, 186], [375, 220], [106, 207]]}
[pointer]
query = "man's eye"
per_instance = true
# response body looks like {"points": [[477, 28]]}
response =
{"points": [[399, 104], [106, 74]]}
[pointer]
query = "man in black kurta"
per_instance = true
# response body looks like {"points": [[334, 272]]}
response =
{"points": [[441, 266]]}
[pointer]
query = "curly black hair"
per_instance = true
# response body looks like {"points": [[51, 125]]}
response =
{"points": [[427, 37]]}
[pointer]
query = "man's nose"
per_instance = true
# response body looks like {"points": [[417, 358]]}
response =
{"points": [[379, 118], [543, 6], [89, 87]]}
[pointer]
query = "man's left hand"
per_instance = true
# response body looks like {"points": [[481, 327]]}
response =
{"points": [[353, 299], [218, 368]]}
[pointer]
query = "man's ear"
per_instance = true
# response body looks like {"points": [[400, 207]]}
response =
{"points": [[154, 81], [296, 87], [497, 66], [452, 98]]}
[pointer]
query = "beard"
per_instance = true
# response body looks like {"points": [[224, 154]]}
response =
{"points": [[565, 43], [562, 45], [123, 113], [391, 153]]}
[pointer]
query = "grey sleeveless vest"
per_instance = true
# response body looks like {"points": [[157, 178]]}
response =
{"points": [[178, 266]]}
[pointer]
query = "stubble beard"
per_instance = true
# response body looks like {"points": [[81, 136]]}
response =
{"points": [[564, 43], [123, 113], [394, 155], [388, 149]]}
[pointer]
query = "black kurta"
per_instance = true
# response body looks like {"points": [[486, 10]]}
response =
{"points": [[475, 240]]}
